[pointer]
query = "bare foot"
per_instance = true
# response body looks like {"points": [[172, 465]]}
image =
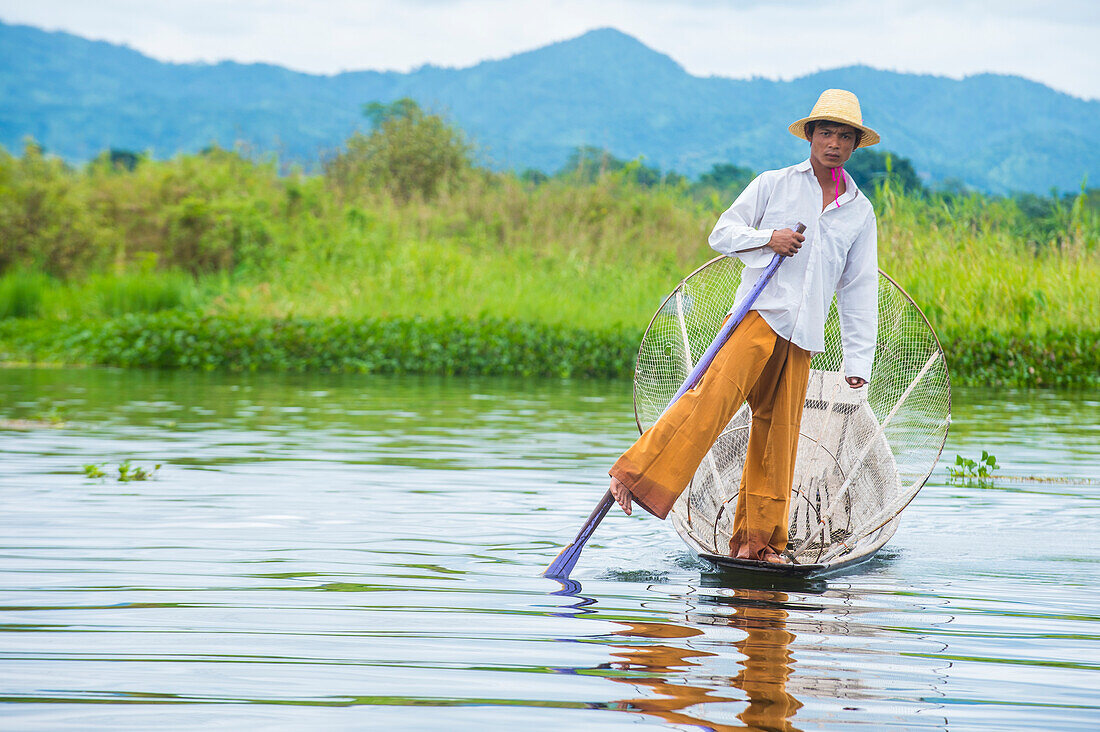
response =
{"points": [[621, 494], [745, 551]]}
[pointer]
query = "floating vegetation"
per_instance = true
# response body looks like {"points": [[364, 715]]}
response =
{"points": [[1052, 479], [181, 340], [45, 419], [52, 417], [28, 424], [127, 471], [970, 472], [93, 470]]}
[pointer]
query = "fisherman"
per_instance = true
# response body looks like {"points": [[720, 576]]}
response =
{"points": [[766, 361]]}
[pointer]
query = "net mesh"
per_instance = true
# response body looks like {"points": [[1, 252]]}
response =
{"points": [[863, 453]]}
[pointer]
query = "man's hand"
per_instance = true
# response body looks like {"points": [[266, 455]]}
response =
{"points": [[855, 382], [785, 242]]}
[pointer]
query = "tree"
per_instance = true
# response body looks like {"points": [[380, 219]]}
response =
{"points": [[870, 167], [403, 108], [587, 164], [409, 152], [123, 159], [533, 176], [727, 177]]}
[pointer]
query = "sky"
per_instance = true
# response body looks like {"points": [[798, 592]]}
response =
{"points": [[1051, 41]]}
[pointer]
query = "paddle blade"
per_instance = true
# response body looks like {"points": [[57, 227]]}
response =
{"points": [[563, 564], [565, 561]]}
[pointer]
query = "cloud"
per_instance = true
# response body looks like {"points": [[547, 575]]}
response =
{"points": [[1052, 42]]}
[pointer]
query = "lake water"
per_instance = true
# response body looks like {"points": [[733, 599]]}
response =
{"points": [[358, 552]]}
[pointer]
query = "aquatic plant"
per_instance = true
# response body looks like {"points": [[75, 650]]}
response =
{"points": [[127, 471], [451, 345], [53, 416], [177, 339], [94, 470], [967, 471]]}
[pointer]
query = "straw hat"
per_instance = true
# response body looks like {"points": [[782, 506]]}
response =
{"points": [[837, 105]]}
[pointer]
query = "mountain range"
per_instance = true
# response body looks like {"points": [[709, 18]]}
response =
{"points": [[997, 133]]}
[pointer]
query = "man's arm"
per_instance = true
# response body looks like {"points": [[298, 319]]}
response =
{"points": [[857, 301], [736, 235]]}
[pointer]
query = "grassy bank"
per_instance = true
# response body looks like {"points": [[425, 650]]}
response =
{"points": [[483, 346], [448, 346], [216, 261]]}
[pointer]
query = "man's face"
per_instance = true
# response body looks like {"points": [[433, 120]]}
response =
{"points": [[832, 144]]}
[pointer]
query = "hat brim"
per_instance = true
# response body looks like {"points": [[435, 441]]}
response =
{"points": [[869, 137]]}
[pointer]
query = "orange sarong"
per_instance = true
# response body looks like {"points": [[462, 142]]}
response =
{"points": [[771, 373]]}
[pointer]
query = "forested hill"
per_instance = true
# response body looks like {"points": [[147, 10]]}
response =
{"points": [[606, 89]]}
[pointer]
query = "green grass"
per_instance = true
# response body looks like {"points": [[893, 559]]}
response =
{"points": [[33, 294], [22, 293], [215, 261]]}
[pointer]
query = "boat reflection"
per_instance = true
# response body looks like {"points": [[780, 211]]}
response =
{"points": [[674, 664]]}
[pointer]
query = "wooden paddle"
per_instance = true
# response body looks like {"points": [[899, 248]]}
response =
{"points": [[565, 561]]}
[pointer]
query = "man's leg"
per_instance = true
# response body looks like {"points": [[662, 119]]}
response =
{"points": [[763, 499], [657, 468]]}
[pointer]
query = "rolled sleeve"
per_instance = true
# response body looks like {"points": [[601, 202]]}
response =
{"points": [[736, 235], [857, 302]]}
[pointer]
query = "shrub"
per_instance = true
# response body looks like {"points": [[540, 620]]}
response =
{"points": [[410, 152], [46, 223]]}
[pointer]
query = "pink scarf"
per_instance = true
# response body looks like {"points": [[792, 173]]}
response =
{"points": [[838, 175]]}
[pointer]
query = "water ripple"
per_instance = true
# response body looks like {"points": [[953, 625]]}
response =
{"points": [[350, 552]]}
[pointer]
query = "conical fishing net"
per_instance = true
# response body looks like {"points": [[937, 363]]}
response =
{"points": [[863, 453]]}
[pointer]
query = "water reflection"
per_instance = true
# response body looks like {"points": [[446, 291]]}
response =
{"points": [[354, 552], [662, 661], [767, 663], [658, 670]]}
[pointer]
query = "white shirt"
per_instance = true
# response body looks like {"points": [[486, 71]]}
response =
{"points": [[840, 255]]}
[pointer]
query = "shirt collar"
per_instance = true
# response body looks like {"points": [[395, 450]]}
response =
{"points": [[851, 189]]}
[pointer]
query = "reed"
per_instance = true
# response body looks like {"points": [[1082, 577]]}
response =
{"points": [[26, 294], [22, 293]]}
